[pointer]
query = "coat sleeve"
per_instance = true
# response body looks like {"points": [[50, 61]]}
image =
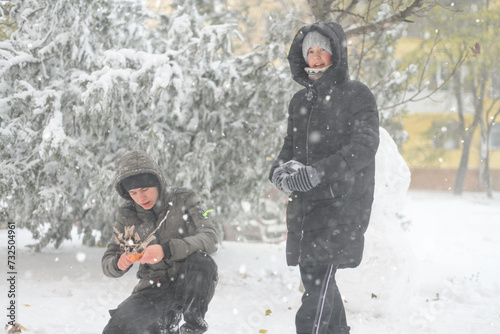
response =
{"points": [[202, 234], [109, 262], [359, 150], [286, 153]]}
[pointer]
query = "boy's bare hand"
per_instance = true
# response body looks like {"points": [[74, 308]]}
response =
{"points": [[153, 254]]}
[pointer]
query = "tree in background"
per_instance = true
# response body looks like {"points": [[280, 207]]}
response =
{"points": [[207, 115], [374, 28], [468, 36], [83, 81], [7, 26], [50, 162]]}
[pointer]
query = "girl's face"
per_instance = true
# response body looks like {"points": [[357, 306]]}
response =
{"points": [[318, 57], [145, 197]]}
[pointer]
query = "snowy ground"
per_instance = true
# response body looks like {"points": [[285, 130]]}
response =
{"points": [[448, 281]]}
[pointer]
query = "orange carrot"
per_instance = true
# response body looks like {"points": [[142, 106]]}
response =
{"points": [[135, 256]]}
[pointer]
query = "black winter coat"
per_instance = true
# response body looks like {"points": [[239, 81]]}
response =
{"points": [[332, 126]]}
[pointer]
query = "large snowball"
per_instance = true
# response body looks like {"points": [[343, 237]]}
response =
{"points": [[383, 283]]}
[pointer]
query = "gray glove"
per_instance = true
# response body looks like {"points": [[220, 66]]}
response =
{"points": [[292, 166], [283, 171], [303, 180]]}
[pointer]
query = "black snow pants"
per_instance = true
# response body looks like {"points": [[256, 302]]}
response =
{"points": [[158, 310], [322, 310]]}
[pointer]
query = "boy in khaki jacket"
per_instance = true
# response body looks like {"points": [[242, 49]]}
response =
{"points": [[167, 231]]}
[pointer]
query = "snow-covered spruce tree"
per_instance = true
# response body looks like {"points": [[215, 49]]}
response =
{"points": [[208, 117], [85, 81], [47, 164]]}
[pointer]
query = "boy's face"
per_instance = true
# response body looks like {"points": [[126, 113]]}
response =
{"points": [[145, 197], [318, 57]]}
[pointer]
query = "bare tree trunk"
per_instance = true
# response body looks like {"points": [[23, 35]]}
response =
{"points": [[488, 187], [485, 132], [464, 159], [320, 9], [464, 164], [466, 135], [487, 176], [483, 151], [484, 171]]}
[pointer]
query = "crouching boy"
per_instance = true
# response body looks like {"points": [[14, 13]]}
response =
{"points": [[167, 231]]}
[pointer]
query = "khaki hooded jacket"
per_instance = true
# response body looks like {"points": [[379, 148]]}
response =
{"points": [[186, 227]]}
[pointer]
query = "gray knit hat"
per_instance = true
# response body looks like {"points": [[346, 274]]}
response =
{"points": [[315, 38]]}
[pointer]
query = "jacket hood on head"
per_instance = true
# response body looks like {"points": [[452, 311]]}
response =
{"points": [[134, 163], [339, 71]]}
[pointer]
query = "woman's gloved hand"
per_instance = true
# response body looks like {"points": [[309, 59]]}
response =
{"points": [[283, 171], [303, 180]]}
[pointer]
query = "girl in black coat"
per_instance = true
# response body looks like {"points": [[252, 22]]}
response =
{"points": [[327, 167]]}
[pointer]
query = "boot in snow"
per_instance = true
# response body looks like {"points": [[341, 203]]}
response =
{"points": [[199, 327], [173, 319]]}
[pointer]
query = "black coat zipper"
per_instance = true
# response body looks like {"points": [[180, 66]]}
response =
{"points": [[309, 97]]}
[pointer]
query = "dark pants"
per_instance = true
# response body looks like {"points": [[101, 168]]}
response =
{"points": [[322, 310], [152, 310]]}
